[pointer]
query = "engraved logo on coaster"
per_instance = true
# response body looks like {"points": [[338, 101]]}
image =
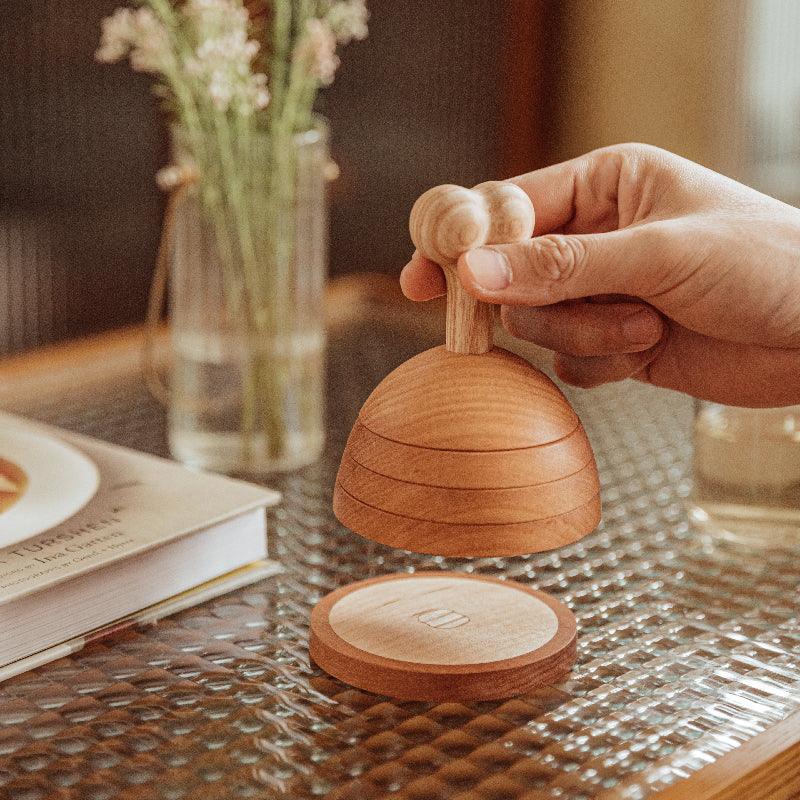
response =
{"points": [[411, 618], [442, 618]]}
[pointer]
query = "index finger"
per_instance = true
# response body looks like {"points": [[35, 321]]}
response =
{"points": [[576, 196]]}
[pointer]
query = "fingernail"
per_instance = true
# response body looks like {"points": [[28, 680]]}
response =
{"points": [[489, 269], [641, 328]]}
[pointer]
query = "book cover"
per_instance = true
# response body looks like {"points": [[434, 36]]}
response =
{"points": [[70, 504]]}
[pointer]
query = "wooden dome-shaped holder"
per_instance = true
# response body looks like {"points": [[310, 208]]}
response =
{"points": [[464, 450]]}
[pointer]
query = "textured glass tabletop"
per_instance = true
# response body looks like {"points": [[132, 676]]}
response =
{"points": [[685, 651]]}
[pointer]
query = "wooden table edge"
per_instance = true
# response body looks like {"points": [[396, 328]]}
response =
{"points": [[100, 356], [766, 767], [362, 297]]}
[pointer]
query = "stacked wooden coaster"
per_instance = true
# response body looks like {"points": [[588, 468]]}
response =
{"points": [[464, 450], [468, 455]]}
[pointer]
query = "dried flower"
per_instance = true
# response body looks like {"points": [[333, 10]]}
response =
{"points": [[317, 49], [203, 51], [213, 16], [223, 56], [138, 33], [223, 66], [348, 20], [170, 178], [220, 58]]}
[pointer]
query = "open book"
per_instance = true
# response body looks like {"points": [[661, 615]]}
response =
{"points": [[94, 535]]}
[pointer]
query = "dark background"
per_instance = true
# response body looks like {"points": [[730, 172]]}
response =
{"points": [[439, 92]]}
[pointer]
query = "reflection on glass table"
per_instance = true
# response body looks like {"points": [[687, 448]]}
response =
{"points": [[688, 674]]}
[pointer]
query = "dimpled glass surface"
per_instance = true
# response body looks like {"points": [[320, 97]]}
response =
{"points": [[685, 650]]}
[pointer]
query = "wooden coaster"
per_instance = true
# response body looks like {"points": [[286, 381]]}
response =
{"points": [[458, 539], [460, 469], [468, 506], [442, 636]]}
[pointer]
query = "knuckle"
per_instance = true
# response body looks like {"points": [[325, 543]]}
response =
{"points": [[645, 155], [634, 161], [641, 150], [556, 257], [631, 152]]}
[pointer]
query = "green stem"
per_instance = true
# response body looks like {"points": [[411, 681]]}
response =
{"points": [[281, 39], [236, 201]]}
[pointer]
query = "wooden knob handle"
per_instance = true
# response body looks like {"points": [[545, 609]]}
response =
{"points": [[448, 220], [511, 212]]}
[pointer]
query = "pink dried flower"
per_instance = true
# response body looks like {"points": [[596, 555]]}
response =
{"points": [[138, 33], [317, 49]]}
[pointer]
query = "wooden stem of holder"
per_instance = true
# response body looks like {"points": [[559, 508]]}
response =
{"points": [[469, 321], [447, 221]]}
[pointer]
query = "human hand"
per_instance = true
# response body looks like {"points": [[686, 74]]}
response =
{"points": [[649, 266]]}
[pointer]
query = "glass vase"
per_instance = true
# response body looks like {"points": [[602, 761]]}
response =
{"points": [[747, 474], [247, 308]]}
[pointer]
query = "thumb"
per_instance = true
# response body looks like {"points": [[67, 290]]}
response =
{"points": [[549, 269]]}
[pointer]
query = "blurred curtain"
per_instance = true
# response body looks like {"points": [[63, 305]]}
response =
{"points": [[79, 144], [665, 73]]}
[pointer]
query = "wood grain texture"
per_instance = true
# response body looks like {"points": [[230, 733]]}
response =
{"points": [[450, 401], [416, 622], [443, 620], [511, 214], [448, 220], [767, 767], [468, 322], [468, 506], [441, 538], [458, 469]]}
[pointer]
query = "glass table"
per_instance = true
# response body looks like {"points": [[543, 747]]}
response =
{"points": [[687, 683]]}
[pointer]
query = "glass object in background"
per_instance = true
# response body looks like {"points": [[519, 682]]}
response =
{"points": [[747, 474], [239, 79], [246, 392]]}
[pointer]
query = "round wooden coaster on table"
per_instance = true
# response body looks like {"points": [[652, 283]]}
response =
{"points": [[464, 450], [442, 636]]}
